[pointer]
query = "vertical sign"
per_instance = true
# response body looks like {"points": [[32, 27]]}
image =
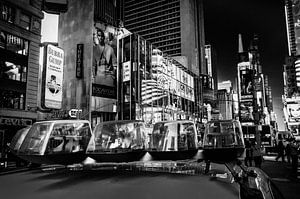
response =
{"points": [[53, 77], [126, 71], [79, 61]]}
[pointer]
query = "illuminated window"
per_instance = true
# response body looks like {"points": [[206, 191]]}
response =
{"points": [[7, 13]]}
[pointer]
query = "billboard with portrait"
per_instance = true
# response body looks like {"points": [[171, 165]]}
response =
{"points": [[246, 111], [104, 67], [293, 110], [246, 83]]}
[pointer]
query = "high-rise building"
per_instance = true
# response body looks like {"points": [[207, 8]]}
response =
{"points": [[225, 99], [255, 100], [290, 26], [291, 72], [176, 27]]}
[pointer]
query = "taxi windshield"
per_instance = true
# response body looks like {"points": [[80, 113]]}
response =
{"points": [[119, 135], [34, 140]]}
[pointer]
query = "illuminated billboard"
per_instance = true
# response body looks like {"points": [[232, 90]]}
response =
{"points": [[246, 111], [293, 111], [246, 83], [246, 87], [52, 77]]}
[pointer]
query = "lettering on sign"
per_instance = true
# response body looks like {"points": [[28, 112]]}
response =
{"points": [[79, 61], [15, 121], [104, 91]]}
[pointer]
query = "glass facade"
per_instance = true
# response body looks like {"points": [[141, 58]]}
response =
{"points": [[153, 87]]}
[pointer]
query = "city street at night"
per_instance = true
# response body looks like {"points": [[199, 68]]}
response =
{"points": [[149, 99], [108, 183]]}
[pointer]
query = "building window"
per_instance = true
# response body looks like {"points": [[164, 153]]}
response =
{"points": [[13, 71], [7, 13], [25, 21], [13, 43], [12, 99]]}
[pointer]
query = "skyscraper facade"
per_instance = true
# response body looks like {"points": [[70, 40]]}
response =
{"points": [[291, 74], [176, 27]]}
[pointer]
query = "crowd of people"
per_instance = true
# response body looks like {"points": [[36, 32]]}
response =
{"points": [[253, 153], [288, 151]]}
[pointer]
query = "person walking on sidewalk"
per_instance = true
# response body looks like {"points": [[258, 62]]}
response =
{"points": [[294, 155], [249, 153], [280, 151], [288, 151], [257, 156]]}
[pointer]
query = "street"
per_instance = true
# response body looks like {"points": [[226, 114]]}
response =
{"points": [[281, 173], [112, 184], [109, 183]]}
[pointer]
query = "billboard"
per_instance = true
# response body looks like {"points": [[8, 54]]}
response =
{"points": [[104, 67], [52, 77], [246, 83], [293, 111]]}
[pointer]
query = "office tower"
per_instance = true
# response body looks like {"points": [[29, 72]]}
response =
{"points": [[292, 14], [291, 26], [225, 99], [176, 27]]}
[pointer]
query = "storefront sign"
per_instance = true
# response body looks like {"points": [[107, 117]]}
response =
{"points": [[15, 121], [74, 113]]}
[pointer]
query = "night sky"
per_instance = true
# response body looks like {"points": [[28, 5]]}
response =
{"points": [[224, 20]]}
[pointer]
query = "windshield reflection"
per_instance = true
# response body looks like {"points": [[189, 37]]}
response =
{"points": [[120, 135]]}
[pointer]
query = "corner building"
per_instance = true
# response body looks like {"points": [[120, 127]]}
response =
{"points": [[20, 36], [119, 86]]}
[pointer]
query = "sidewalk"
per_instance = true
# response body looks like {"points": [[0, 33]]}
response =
{"points": [[282, 175]]}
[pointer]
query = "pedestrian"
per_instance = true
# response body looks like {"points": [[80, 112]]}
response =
{"points": [[294, 155], [249, 154], [280, 151], [288, 151], [257, 156]]}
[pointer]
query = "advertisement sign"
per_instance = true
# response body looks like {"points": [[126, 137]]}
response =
{"points": [[126, 71], [258, 83], [104, 67], [53, 77], [293, 111], [246, 84], [103, 91], [246, 111]]}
